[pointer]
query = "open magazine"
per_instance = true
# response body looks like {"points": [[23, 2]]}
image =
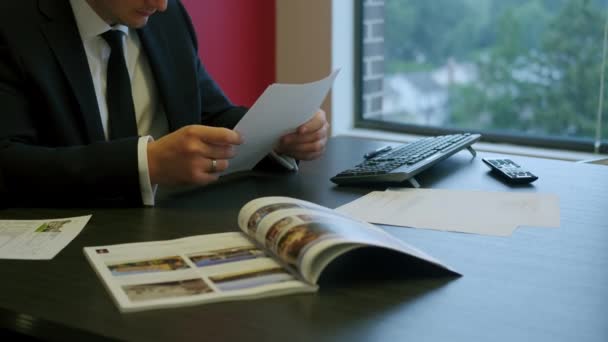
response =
{"points": [[284, 246]]}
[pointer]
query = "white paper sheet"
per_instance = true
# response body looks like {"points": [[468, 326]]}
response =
{"points": [[476, 212], [278, 111], [38, 239]]}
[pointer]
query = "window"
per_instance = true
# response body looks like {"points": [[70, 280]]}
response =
{"points": [[520, 71]]}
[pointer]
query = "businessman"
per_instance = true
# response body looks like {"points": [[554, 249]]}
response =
{"points": [[106, 99]]}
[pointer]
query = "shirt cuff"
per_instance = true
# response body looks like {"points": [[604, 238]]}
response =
{"points": [[145, 187], [288, 162]]}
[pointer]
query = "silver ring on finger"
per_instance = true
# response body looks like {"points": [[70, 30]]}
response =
{"points": [[213, 165]]}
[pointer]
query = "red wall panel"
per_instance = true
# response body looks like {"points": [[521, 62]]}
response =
{"points": [[237, 44]]}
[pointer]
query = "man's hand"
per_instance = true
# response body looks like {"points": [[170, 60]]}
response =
{"points": [[186, 156], [308, 141]]}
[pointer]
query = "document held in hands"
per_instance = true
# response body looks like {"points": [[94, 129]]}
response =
{"points": [[278, 111]]}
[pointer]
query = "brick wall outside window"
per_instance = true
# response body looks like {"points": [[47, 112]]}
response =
{"points": [[373, 57]]}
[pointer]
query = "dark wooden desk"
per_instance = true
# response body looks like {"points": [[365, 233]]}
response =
{"points": [[538, 285]]}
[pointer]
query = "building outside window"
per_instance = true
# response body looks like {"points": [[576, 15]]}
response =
{"points": [[521, 71]]}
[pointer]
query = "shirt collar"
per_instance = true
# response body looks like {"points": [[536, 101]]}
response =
{"points": [[90, 24]]}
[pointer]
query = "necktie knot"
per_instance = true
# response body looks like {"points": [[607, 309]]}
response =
{"points": [[114, 39]]}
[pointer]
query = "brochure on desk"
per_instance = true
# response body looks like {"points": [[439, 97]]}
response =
{"points": [[283, 248]]}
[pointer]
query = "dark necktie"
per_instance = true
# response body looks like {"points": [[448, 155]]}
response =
{"points": [[121, 111]]}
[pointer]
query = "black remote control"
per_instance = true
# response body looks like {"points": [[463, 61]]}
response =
{"points": [[509, 171]]}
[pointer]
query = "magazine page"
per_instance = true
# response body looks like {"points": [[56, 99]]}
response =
{"points": [[188, 271], [308, 236]]}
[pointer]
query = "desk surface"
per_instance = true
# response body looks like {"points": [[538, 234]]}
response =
{"points": [[539, 284]]}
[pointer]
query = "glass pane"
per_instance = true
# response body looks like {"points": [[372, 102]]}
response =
{"points": [[503, 66]]}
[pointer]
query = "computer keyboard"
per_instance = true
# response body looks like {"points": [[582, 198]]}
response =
{"points": [[403, 162]]}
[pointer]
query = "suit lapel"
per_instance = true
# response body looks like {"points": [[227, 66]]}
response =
{"points": [[64, 39], [154, 43]]}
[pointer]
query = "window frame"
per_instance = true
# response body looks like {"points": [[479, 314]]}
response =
{"points": [[565, 143]]}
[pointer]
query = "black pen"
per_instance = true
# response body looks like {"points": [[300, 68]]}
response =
{"points": [[372, 154]]}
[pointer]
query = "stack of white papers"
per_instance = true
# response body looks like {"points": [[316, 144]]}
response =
{"points": [[476, 212]]}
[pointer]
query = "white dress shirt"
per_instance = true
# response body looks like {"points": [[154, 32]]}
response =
{"points": [[150, 117]]}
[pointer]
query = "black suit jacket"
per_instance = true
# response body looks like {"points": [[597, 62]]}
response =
{"points": [[51, 138]]}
